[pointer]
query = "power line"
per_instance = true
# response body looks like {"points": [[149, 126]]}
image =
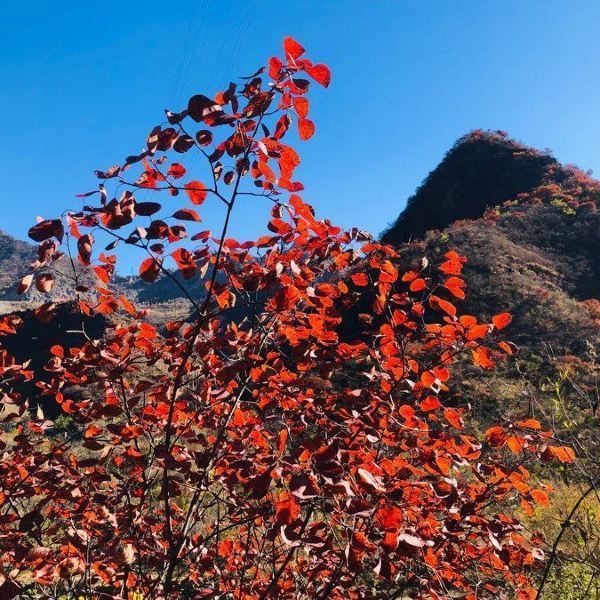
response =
{"points": [[239, 43], [196, 36], [183, 54]]}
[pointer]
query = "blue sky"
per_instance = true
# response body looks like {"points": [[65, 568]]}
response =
{"points": [[83, 83]]}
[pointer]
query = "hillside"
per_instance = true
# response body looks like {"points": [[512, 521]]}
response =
{"points": [[530, 229]]}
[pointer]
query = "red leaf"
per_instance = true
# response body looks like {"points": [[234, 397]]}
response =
{"points": [[204, 137], [275, 65], [185, 262], [102, 273], [149, 270], [320, 73], [372, 480], [84, 247], [282, 126], [44, 282], [146, 209], [176, 171], [196, 192], [306, 129], [292, 48], [389, 517], [186, 214], [360, 279], [300, 106], [47, 229], [496, 436], [417, 285], [128, 306], [287, 509]]}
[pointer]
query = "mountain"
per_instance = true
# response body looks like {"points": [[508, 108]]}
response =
{"points": [[15, 256], [162, 297], [530, 228], [482, 169]]}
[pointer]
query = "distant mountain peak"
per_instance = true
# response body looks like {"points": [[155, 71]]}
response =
{"points": [[482, 169]]}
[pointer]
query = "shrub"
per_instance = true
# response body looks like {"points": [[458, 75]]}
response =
{"points": [[247, 451]]}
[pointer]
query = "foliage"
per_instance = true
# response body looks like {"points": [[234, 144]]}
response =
{"points": [[248, 451], [534, 253], [573, 581], [574, 573]]}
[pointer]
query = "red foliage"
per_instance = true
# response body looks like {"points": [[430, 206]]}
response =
{"points": [[249, 452]]}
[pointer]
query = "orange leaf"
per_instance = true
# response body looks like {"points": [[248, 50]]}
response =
{"points": [[102, 273], [540, 497], [453, 417], [560, 453], [507, 347], [427, 378], [526, 506], [306, 129], [515, 443], [482, 357], [501, 320], [496, 436], [476, 332], [446, 306], [128, 306], [456, 286], [444, 463], [529, 423], [468, 321], [196, 192], [430, 403]]}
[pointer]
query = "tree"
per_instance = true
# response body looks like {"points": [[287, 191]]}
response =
{"points": [[250, 451]]}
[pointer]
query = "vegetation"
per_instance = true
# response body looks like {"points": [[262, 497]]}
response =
{"points": [[294, 433]]}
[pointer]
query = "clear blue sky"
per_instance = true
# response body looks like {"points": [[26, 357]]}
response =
{"points": [[83, 82]]}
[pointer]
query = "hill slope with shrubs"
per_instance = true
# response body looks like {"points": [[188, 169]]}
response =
{"points": [[530, 228]]}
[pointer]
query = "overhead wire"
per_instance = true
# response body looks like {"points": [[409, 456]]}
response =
{"points": [[188, 44], [241, 38], [198, 22]]}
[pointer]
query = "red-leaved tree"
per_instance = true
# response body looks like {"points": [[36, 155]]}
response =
{"points": [[294, 436]]}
